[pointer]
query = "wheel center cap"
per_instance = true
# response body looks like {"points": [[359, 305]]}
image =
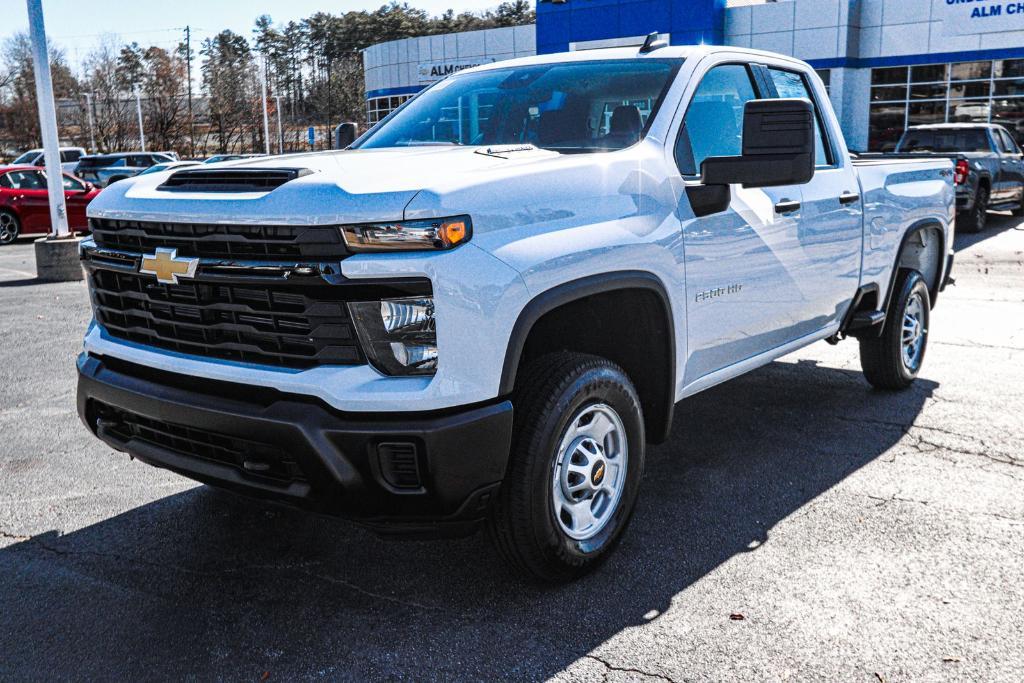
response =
{"points": [[597, 473]]}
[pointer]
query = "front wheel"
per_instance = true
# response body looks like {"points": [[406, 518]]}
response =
{"points": [[9, 227], [893, 360], [1019, 210], [575, 467]]}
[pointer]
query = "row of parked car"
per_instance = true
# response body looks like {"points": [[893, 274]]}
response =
{"points": [[24, 197]]}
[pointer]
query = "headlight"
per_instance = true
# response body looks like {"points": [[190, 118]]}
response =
{"points": [[398, 335], [428, 234]]}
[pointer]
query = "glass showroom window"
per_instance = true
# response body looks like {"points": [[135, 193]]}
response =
{"points": [[379, 107], [983, 92]]}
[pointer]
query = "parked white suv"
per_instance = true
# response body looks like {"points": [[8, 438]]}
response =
{"points": [[69, 157], [483, 312]]}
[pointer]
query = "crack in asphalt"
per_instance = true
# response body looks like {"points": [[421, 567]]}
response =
{"points": [[16, 537], [625, 669], [896, 498], [918, 441]]}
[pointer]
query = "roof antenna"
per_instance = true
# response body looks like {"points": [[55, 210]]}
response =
{"points": [[652, 43]]}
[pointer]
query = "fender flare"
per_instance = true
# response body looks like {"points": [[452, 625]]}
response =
{"points": [[581, 288], [933, 287]]}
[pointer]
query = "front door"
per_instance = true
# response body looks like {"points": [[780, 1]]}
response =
{"points": [[747, 273], [31, 199]]}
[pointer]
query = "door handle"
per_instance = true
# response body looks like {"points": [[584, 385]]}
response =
{"points": [[787, 206], [849, 198]]}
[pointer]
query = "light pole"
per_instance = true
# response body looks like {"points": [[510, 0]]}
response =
{"points": [[47, 120], [280, 130], [138, 109], [266, 121], [88, 112]]}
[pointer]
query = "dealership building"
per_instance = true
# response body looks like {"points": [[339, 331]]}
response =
{"points": [[886, 64]]}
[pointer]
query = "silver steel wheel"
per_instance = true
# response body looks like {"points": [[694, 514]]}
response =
{"points": [[8, 228], [590, 471], [914, 332]]}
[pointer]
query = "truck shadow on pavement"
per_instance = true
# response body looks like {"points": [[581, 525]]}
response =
{"points": [[998, 223], [203, 584]]}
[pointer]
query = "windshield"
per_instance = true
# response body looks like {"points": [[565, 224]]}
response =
{"points": [[26, 158], [963, 140], [568, 107]]}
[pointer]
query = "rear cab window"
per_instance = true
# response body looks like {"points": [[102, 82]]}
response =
{"points": [[793, 84], [946, 140]]}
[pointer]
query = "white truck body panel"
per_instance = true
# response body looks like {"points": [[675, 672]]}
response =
{"points": [[543, 219]]}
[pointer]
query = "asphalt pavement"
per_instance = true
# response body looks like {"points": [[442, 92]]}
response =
{"points": [[797, 526]]}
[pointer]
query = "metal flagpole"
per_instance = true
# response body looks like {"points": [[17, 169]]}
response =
{"points": [[280, 130], [92, 125], [47, 120], [138, 108]]}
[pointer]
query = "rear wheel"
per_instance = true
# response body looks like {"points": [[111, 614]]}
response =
{"points": [[9, 227], [978, 216], [1019, 211], [575, 467], [893, 360]]}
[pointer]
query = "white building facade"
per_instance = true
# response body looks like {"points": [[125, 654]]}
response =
{"points": [[887, 63]]}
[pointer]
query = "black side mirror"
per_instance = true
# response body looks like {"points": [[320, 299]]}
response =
{"points": [[778, 149]]}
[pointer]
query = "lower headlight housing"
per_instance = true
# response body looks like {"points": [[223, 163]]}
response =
{"points": [[398, 336]]}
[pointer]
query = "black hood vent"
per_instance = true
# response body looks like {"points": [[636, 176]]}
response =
{"points": [[231, 179]]}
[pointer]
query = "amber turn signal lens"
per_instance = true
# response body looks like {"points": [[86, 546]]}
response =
{"points": [[452, 232]]}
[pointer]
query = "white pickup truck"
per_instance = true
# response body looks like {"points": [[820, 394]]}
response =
{"points": [[481, 312]]}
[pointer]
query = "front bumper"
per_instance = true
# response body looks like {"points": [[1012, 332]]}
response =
{"points": [[422, 473]]}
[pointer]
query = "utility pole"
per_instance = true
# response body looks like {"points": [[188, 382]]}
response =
{"points": [[47, 120], [191, 118], [280, 130], [138, 108], [92, 125], [266, 122]]}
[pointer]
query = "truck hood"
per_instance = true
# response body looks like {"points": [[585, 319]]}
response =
{"points": [[345, 186]]}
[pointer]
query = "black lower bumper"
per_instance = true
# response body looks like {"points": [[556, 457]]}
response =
{"points": [[404, 473]]}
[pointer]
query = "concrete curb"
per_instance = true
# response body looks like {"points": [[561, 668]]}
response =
{"points": [[57, 260]]}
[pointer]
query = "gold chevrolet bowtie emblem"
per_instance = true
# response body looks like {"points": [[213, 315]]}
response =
{"points": [[167, 267]]}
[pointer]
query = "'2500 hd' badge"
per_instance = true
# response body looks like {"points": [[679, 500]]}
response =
{"points": [[167, 267]]}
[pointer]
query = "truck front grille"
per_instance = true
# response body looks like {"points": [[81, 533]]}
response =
{"points": [[221, 241], [277, 323], [252, 458]]}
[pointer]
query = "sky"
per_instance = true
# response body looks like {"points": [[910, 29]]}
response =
{"points": [[77, 25]]}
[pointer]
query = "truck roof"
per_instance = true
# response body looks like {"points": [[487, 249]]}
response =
{"points": [[632, 52], [947, 126]]}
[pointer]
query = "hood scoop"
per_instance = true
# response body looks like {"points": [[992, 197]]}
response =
{"points": [[231, 179]]}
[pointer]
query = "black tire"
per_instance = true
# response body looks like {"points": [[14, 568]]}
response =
{"points": [[977, 218], [1019, 211], [554, 392], [10, 227], [882, 358]]}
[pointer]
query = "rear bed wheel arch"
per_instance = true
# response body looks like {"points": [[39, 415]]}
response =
{"points": [[922, 258]]}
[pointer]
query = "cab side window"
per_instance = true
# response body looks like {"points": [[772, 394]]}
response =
{"points": [[713, 125], [1006, 143], [791, 84], [26, 180]]}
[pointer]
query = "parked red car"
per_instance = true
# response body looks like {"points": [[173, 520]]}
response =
{"points": [[25, 202]]}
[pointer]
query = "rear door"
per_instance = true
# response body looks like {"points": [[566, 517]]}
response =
{"points": [[75, 198], [830, 225], [745, 267], [1010, 166]]}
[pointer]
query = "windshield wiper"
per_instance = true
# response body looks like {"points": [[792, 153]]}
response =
{"points": [[430, 143]]}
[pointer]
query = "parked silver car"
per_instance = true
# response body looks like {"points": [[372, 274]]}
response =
{"points": [[103, 169]]}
